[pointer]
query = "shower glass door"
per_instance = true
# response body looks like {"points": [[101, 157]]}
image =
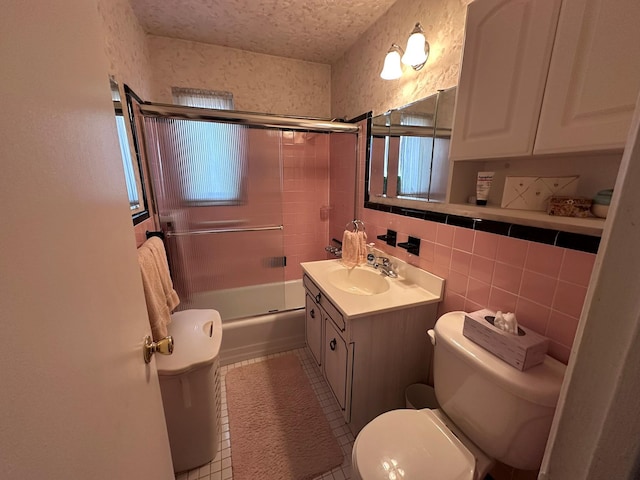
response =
{"points": [[218, 190]]}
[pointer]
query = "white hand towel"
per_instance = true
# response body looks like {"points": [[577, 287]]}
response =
{"points": [[354, 248]]}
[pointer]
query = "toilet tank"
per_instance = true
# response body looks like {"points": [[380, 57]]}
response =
{"points": [[507, 413]]}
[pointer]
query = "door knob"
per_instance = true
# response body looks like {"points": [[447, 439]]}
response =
{"points": [[164, 346]]}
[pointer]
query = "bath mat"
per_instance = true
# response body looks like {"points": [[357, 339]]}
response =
{"points": [[277, 427]]}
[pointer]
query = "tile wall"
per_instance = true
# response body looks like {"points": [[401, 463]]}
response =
{"points": [[543, 284]]}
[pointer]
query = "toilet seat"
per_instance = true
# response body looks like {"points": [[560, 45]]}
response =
{"points": [[410, 444]]}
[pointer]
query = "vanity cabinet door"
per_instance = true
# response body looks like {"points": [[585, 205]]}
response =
{"points": [[313, 329], [506, 58], [594, 77], [335, 361]]}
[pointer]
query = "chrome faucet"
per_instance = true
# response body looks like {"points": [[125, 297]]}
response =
{"points": [[385, 267]]}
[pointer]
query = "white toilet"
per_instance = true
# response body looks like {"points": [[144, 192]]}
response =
{"points": [[489, 411]]}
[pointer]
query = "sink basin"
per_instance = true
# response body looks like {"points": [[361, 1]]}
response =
{"points": [[358, 281]]}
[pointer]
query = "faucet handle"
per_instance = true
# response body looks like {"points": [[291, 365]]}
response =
{"points": [[384, 260]]}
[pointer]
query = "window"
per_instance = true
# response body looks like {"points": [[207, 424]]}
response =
{"points": [[212, 155], [130, 163]]}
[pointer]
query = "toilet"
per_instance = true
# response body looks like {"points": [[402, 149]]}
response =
{"points": [[488, 411]]}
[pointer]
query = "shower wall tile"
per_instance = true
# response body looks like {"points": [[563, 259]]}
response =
{"points": [[259, 82]]}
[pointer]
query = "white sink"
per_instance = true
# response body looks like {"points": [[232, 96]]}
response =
{"points": [[359, 281]]}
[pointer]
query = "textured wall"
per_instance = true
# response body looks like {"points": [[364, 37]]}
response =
{"points": [[260, 83], [125, 45], [356, 84]]}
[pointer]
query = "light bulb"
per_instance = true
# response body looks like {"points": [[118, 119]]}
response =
{"points": [[417, 50], [392, 68]]}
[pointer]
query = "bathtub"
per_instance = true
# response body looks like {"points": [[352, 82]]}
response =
{"points": [[247, 335]]}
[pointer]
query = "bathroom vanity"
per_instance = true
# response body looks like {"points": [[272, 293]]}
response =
{"points": [[367, 333]]}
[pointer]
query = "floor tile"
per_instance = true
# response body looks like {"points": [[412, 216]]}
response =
{"points": [[221, 467]]}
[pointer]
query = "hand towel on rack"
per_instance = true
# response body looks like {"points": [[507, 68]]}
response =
{"points": [[160, 254], [159, 295], [354, 250]]}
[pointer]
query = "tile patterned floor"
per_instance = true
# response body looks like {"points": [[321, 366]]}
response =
{"points": [[221, 467]]}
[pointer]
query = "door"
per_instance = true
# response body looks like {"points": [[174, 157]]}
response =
{"points": [[335, 361], [218, 190], [77, 400], [504, 68]]}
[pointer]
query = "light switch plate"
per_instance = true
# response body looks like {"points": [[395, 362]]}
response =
{"points": [[533, 193]]}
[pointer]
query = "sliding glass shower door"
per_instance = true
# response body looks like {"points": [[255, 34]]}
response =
{"points": [[218, 190]]}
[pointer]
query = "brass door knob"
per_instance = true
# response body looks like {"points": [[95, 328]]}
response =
{"points": [[164, 346]]}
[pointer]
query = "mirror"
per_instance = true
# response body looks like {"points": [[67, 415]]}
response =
{"points": [[130, 153], [409, 151]]}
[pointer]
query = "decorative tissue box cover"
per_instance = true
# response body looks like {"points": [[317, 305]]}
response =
{"points": [[570, 207], [533, 193], [519, 351]]}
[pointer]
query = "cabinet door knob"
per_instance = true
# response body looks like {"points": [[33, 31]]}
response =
{"points": [[318, 297], [332, 344], [312, 313]]}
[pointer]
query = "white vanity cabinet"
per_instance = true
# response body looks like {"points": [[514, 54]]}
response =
{"points": [[313, 328], [371, 347], [546, 77]]}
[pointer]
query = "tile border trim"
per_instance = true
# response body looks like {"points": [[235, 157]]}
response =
{"points": [[572, 241]]}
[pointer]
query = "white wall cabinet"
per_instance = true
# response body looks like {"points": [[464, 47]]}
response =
{"points": [[504, 69], [527, 87], [594, 77]]}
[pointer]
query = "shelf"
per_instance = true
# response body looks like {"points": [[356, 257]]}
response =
{"points": [[587, 226]]}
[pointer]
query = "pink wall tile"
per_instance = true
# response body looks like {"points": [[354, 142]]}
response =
{"points": [[569, 298], [460, 261], [532, 315], [457, 282], [482, 269], [502, 300], [444, 235], [485, 245], [442, 255], [512, 251], [452, 302], [507, 277], [545, 259], [538, 288], [562, 328], [427, 250], [577, 267], [463, 239], [478, 292], [559, 352]]}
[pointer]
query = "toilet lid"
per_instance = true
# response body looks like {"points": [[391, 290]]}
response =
{"points": [[411, 444]]}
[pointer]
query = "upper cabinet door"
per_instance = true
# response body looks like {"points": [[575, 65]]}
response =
{"points": [[506, 57], [594, 77]]}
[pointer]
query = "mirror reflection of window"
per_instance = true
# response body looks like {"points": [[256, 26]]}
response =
{"points": [[129, 161], [414, 170]]}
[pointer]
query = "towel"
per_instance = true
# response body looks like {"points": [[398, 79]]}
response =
{"points": [[159, 294], [354, 249], [157, 248]]}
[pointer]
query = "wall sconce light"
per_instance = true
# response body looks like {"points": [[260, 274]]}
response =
{"points": [[415, 55]]}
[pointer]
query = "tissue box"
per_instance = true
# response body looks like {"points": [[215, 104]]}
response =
{"points": [[533, 193], [570, 207], [519, 351]]}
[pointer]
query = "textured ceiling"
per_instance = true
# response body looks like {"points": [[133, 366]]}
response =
{"points": [[313, 30]]}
